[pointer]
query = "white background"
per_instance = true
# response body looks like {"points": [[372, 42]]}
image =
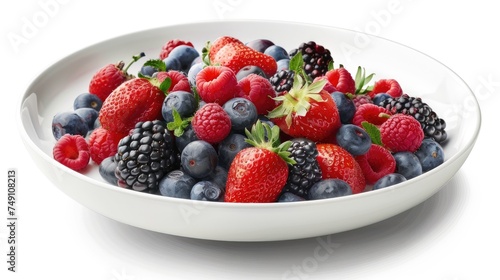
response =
{"points": [[453, 235]]}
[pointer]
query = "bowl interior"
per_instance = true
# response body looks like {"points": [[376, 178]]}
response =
{"points": [[53, 91]]}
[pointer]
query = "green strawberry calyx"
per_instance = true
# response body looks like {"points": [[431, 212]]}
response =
{"points": [[264, 136], [361, 81], [297, 101]]}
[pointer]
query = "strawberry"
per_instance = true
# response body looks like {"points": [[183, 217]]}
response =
{"points": [[259, 173], [306, 110], [260, 91], [337, 163], [179, 81], [389, 86], [170, 45], [237, 55], [136, 100], [213, 48], [109, 77], [341, 79], [217, 84]]}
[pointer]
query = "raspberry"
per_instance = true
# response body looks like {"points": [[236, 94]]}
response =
{"points": [[179, 80], [342, 80], [170, 45], [217, 84], [389, 86], [376, 163], [371, 113], [361, 99], [72, 151], [102, 144], [401, 133], [211, 123], [260, 91]]}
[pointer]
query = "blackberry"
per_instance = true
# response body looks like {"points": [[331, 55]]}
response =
{"points": [[433, 126], [306, 172], [316, 58], [145, 156], [282, 80]]}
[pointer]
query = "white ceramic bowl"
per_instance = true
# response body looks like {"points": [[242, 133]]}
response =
{"points": [[54, 90]]}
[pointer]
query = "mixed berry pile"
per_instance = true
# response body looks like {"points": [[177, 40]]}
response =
{"points": [[247, 122]]}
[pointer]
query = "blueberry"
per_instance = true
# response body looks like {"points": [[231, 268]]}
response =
{"points": [[185, 55], [176, 184], [193, 72], [172, 63], [187, 137], [242, 112], [329, 188], [430, 154], [107, 169], [407, 164], [218, 177], [89, 115], [250, 69], [289, 197], [282, 64], [68, 123], [206, 190], [260, 45], [148, 70], [87, 100], [389, 180], [379, 97], [277, 52], [354, 139], [229, 147], [345, 106], [199, 159], [182, 101]]}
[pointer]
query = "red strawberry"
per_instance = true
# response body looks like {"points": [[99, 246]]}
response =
{"points": [[133, 101], [341, 79], [211, 123], [259, 173], [371, 113], [260, 91], [389, 86], [170, 45], [109, 77], [217, 84], [102, 144], [237, 55], [376, 163], [335, 162], [179, 81], [307, 111], [401, 133], [219, 43], [72, 151]]}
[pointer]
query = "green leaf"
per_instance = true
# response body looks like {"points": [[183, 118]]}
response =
{"points": [[157, 64], [296, 63], [205, 57], [165, 85], [373, 131], [178, 125]]}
